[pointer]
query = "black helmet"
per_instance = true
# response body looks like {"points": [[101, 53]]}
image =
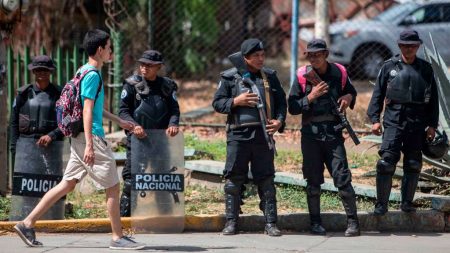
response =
{"points": [[437, 148]]}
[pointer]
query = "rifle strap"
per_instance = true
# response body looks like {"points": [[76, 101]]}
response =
{"points": [[267, 95]]}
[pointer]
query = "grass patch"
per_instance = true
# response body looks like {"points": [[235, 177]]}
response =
{"points": [[5, 206], [81, 206], [213, 150]]}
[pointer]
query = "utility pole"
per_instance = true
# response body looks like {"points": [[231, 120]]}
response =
{"points": [[322, 21]]}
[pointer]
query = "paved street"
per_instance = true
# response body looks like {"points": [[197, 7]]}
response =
{"points": [[214, 242]]}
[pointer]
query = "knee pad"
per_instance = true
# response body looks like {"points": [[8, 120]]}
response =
{"points": [[313, 190], [385, 167], [232, 188], [412, 166]]}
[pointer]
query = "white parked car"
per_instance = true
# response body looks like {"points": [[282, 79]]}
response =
{"points": [[365, 44]]}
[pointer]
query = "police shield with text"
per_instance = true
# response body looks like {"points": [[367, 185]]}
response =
{"points": [[407, 90], [150, 102], [36, 142], [246, 140]]}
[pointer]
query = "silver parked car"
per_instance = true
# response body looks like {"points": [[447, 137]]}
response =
{"points": [[365, 44]]}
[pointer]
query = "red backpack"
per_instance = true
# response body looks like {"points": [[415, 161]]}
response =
{"points": [[302, 80], [69, 110]]}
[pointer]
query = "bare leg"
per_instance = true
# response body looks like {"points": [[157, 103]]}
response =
{"points": [[50, 198], [113, 206]]}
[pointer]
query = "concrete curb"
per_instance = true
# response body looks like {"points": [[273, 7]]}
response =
{"points": [[395, 221]]}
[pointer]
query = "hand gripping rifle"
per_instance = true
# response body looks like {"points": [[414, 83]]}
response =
{"points": [[314, 79], [238, 61]]}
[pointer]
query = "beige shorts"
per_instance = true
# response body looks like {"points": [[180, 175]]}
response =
{"points": [[103, 172]]}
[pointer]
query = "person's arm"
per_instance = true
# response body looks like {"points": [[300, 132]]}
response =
{"points": [[14, 123], [125, 124], [348, 99], [280, 105], [174, 109], [88, 107], [126, 108], [298, 102], [433, 105], [379, 93], [223, 100]]}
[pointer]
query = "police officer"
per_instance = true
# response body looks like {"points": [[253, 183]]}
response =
{"points": [[407, 89], [321, 142], [150, 102], [33, 114], [246, 142]]}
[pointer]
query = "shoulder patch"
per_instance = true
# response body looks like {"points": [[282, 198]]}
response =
{"points": [[174, 96], [123, 94]]}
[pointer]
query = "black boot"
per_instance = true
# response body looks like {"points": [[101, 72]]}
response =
{"points": [[232, 207], [348, 197], [384, 185], [125, 199], [409, 185], [317, 229], [268, 205], [352, 228], [313, 199], [230, 227], [271, 229]]}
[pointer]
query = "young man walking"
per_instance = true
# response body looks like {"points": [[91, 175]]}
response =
{"points": [[90, 152]]}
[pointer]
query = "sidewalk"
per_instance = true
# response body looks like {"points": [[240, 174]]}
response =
{"points": [[249, 242]]}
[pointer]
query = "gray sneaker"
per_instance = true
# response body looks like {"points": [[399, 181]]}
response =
{"points": [[27, 235], [125, 243]]}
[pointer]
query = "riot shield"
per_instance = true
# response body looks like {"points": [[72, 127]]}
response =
{"points": [[36, 170], [157, 167]]}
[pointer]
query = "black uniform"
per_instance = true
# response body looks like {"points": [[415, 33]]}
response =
{"points": [[321, 143], [152, 105], [246, 142], [34, 114], [410, 96]]}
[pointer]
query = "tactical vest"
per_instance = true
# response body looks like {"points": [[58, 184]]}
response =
{"points": [[38, 114], [152, 111], [244, 116], [407, 86]]}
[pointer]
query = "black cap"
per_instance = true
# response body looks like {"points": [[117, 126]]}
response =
{"points": [[409, 37], [316, 45], [250, 46], [42, 62], [151, 57]]}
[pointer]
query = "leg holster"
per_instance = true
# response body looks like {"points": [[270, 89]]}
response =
{"points": [[313, 199], [268, 200], [125, 199]]}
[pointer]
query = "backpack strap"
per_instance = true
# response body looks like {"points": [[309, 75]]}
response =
{"points": [[302, 80], [344, 74], [81, 75]]}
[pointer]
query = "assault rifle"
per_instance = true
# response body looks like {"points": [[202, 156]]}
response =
{"points": [[314, 79], [238, 61]]}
